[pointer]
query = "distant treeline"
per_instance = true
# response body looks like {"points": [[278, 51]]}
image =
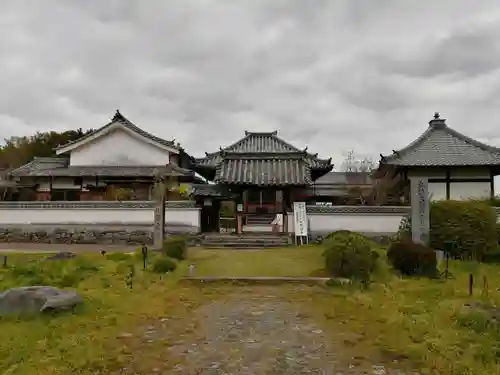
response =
{"points": [[20, 150]]}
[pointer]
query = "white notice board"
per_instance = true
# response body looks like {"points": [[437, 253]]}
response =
{"points": [[300, 219]]}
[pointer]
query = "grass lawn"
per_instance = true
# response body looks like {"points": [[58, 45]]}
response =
{"points": [[95, 339], [292, 261], [416, 322]]}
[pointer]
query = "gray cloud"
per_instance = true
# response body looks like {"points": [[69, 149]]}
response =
{"points": [[333, 75]]}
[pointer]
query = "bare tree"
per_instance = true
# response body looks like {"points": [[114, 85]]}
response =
{"points": [[354, 162]]}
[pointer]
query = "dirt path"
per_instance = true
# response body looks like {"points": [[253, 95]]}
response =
{"points": [[51, 248], [254, 332]]}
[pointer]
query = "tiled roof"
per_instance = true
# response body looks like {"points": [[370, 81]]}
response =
{"points": [[39, 165], [44, 167], [440, 145], [264, 170], [118, 118], [257, 143], [344, 178]]}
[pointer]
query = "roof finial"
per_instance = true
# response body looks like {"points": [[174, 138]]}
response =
{"points": [[118, 116], [437, 121], [247, 132], [275, 132]]}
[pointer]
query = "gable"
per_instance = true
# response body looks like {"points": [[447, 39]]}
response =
{"points": [[119, 147], [120, 122]]}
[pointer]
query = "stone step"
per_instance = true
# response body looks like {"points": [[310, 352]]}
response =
{"points": [[255, 239], [240, 246], [240, 243]]}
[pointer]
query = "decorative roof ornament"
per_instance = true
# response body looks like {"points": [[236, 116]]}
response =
{"points": [[275, 132], [247, 132], [437, 121], [118, 116]]}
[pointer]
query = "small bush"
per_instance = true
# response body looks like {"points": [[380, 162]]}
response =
{"points": [[412, 259], [350, 255], [164, 264], [175, 247]]}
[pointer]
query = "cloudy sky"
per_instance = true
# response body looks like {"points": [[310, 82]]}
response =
{"points": [[331, 74]]}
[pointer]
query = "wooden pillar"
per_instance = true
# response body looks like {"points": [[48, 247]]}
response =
{"points": [[239, 223], [51, 181], [448, 184], [245, 200]]}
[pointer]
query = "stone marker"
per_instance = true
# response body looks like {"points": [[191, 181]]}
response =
{"points": [[419, 210], [159, 217], [34, 299]]}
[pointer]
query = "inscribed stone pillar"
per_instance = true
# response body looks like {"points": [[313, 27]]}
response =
{"points": [[419, 210], [159, 217]]}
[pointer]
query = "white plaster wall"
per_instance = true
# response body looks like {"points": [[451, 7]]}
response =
{"points": [[437, 191], [468, 190], [480, 172], [189, 216], [119, 148], [54, 216], [364, 223]]}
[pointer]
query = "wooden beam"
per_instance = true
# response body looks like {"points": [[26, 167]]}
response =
{"points": [[448, 183], [492, 184]]}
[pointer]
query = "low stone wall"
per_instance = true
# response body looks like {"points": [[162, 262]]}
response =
{"points": [[104, 223]]}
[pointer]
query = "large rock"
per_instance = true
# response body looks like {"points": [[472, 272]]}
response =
{"points": [[33, 299]]}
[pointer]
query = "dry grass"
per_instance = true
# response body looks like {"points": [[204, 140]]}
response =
{"points": [[291, 261]]}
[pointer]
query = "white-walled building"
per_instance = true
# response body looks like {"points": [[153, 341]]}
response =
{"points": [[457, 167], [119, 154]]}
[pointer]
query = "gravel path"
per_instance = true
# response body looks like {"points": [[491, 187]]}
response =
{"points": [[252, 334]]}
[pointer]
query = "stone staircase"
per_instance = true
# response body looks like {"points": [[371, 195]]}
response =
{"points": [[262, 219], [261, 240]]}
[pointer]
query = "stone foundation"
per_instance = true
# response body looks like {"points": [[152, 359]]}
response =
{"points": [[85, 234]]}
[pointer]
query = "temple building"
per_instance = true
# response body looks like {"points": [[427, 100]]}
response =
{"points": [[456, 166], [262, 173], [119, 156], [342, 188]]}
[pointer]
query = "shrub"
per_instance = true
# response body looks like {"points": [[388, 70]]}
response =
{"points": [[164, 265], [349, 255], [340, 233], [412, 259], [472, 224], [175, 247]]}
